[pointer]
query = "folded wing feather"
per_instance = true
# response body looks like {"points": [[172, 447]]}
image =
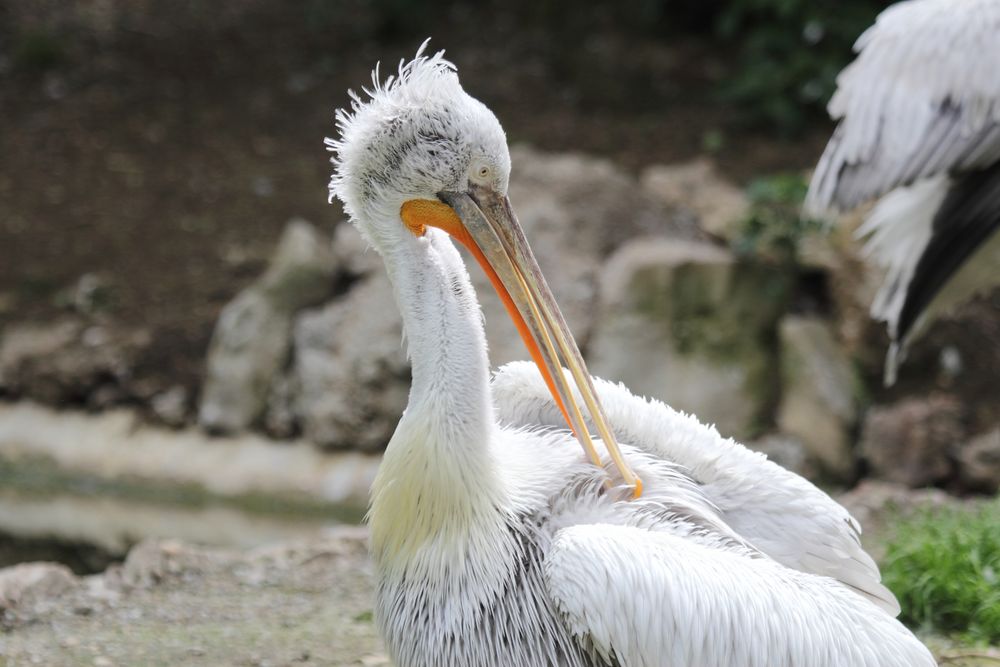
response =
{"points": [[773, 509]]}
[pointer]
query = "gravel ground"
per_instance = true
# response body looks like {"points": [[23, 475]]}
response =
{"points": [[306, 602], [169, 603]]}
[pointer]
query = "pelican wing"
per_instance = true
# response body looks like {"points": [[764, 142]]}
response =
{"points": [[921, 99], [966, 219], [774, 510], [652, 599]]}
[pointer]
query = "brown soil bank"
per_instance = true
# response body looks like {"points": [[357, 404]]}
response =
{"points": [[161, 147]]}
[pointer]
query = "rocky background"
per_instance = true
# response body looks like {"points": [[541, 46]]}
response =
{"points": [[196, 349], [166, 246], [655, 278], [652, 278]]}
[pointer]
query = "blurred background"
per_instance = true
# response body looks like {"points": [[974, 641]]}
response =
{"points": [[195, 345]]}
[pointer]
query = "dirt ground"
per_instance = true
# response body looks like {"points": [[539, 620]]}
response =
{"points": [[307, 603], [162, 152], [171, 603]]}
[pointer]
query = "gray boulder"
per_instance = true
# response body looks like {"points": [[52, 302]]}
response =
{"points": [[350, 375], [171, 406], [280, 418], [911, 442], [979, 462], [687, 323], [70, 360], [575, 210], [350, 369], [353, 255], [27, 589], [301, 269], [697, 188], [819, 391], [250, 345]]}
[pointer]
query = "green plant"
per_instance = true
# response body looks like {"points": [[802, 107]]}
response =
{"points": [[789, 53], [944, 567], [774, 226]]}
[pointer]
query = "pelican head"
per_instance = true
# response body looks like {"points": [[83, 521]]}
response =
{"points": [[418, 135], [421, 155]]}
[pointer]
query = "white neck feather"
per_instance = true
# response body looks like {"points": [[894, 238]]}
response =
{"points": [[444, 330], [438, 481]]}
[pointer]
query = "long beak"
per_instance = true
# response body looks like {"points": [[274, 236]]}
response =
{"points": [[497, 241]]}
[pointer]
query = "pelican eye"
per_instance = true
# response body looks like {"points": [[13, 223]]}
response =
{"points": [[481, 174]]}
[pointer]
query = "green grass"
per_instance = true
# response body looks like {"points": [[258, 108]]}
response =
{"points": [[944, 566]]}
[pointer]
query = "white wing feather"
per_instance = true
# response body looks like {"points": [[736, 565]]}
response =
{"points": [[640, 598], [776, 511], [898, 229], [921, 99]]}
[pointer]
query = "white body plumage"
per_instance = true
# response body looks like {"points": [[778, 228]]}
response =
{"points": [[497, 543]]}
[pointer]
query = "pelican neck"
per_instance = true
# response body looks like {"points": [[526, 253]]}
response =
{"points": [[443, 328]]}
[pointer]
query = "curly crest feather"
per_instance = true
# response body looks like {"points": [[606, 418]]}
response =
{"points": [[409, 137]]}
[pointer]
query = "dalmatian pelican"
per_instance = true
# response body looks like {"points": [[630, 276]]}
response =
{"points": [[496, 541], [919, 126]]}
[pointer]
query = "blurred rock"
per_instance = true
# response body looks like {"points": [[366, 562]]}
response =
{"points": [[353, 254], [105, 395], [350, 377], [68, 360], [152, 562], [686, 323], [979, 462], [300, 272], [574, 210], [31, 588], [350, 368], [250, 345], [280, 420], [850, 283], [27, 345], [911, 442], [818, 393], [819, 251], [788, 452], [90, 295], [697, 187], [171, 406]]}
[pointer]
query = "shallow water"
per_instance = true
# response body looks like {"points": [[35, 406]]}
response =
{"points": [[81, 489], [87, 533]]}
